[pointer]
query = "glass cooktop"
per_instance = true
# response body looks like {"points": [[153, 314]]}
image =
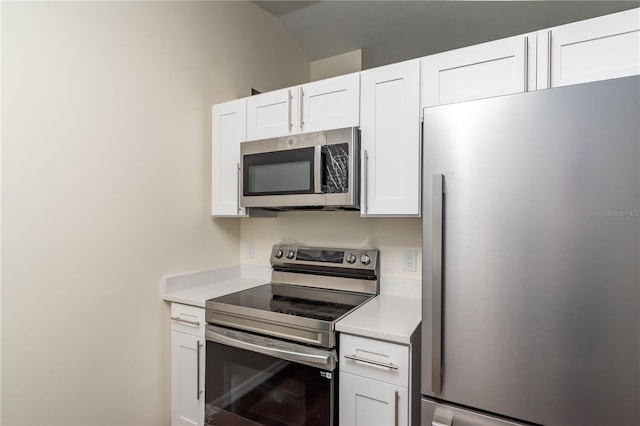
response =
{"points": [[315, 303]]}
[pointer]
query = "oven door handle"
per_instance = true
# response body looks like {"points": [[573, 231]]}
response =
{"points": [[325, 359]]}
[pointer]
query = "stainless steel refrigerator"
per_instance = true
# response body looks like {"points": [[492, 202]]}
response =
{"points": [[531, 268]]}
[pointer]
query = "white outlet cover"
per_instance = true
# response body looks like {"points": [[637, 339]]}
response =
{"points": [[250, 250], [409, 260]]}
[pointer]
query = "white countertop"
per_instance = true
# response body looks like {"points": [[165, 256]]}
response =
{"points": [[196, 288], [197, 296], [386, 317]]}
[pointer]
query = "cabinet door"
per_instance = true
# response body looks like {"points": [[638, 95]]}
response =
{"points": [[187, 379], [390, 140], [229, 129], [329, 104], [367, 402], [272, 114], [495, 68], [595, 49]]}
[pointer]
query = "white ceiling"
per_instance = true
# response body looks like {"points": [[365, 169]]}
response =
{"points": [[392, 31]]}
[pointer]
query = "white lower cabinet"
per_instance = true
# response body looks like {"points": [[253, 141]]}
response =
{"points": [[368, 402], [376, 383], [187, 365]]}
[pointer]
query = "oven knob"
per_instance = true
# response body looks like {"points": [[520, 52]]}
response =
{"points": [[351, 258], [290, 254], [365, 260], [279, 253]]}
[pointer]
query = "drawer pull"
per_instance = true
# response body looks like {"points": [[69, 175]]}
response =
{"points": [[194, 323], [370, 361]]}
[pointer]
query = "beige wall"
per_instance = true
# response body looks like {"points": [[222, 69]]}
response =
{"points": [[333, 66], [105, 188], [336, 229]]}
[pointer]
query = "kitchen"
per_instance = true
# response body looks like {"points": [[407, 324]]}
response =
{"points": [[86, 238]]}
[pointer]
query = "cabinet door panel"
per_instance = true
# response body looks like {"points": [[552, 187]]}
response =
{"points": [[496, 68], [367, 402], [187, 396], [229, 129], [272, 114], [330, 104], [390, 138], [595, 49]]}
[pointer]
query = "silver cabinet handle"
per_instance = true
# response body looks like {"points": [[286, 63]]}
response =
{"points": [[549, 59], [317, 169], [301, 103], [365, 184], [290, 123], [198, 371], [397, 398], [526, 64], [436, 282], [238, 172], [194, 323], [390, 366]]}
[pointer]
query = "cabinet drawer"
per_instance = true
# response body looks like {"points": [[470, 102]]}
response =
{"points": [[187, 319], [384, 361]]}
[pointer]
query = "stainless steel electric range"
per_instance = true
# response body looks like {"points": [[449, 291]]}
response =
{"points": [[271, 350]]}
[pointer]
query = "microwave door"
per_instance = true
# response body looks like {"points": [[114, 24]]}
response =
{"points": [[282, 178]]}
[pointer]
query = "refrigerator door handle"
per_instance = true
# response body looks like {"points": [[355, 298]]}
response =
{"points": [[436, 282], [442, 418]]}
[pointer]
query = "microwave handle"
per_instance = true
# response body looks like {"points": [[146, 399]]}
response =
{"points": [[317, 169], [239, 175]]}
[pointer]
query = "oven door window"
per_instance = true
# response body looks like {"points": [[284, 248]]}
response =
{"points": [[280, 172], [248, 388]]}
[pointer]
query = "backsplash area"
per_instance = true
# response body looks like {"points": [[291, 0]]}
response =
{"points": [[335, 229]]}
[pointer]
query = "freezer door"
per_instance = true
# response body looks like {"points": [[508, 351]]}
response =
{"points": [[531, 285], [438, 414]]}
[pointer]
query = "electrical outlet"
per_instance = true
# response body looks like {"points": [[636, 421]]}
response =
{"points": [[409, 260], [250, 249]]}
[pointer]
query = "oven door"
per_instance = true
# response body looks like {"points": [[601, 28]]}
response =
{"points": [[256, 380]]}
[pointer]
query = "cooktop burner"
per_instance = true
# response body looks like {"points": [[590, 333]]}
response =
{"points": [[320, 304], [308, 308]]}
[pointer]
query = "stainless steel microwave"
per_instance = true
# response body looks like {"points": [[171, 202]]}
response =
{"points": [[314, 171]]}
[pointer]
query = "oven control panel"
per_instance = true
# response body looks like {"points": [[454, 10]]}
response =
{"points": [[320, 256]]}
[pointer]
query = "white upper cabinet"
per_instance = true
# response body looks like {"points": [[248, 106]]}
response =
{"points": [[595, 49], [228, 130], [272, 114], [322, 105], [495, 68], [390, 140], [329, 104]]}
